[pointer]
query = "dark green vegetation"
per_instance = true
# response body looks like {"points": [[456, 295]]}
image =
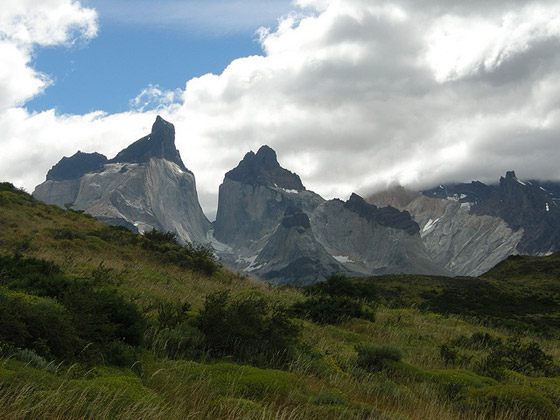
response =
{"points": [[98, 322], [521, 293], [336, 300]]}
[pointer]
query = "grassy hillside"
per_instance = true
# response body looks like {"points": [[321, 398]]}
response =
{"points": [[97, 322]]}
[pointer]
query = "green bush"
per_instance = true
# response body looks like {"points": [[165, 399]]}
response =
{"points": [[525, 358], [68, 315], [517, 402], [180, 342], [330, 397], [332, 309], [38, 324], [189, 256], [453, 382], [171, 314], [372, 357], [239, 407], [118, 395], [118, 353], [339, 285], [248, 328], [33, 359], [118, 235]]}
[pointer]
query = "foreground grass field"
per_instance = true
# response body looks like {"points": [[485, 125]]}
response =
{"points": [[96, 322]]}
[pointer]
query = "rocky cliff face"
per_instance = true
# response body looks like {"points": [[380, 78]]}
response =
{"points": [[253, 199], [145, 186], [292, 255], [256, 216], [469, 228], [372, 240], [76, 166]]}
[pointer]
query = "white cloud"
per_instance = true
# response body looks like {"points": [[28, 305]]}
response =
{"points": [[353, 94], [46, 22], [154, 97], [459, 46], [26, 24]]}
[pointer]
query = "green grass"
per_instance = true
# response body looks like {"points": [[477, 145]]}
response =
{"points": [[172, 373]]}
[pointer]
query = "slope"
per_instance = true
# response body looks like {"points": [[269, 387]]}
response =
{"points": [[217, 346]]}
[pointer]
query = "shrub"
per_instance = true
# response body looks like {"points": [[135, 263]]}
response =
{"points": [[37, 323], [118, 353], [156, 237], [189, 256], [78, 313], [512, 400], [171, 314], [339, 285], [249, 328], [181, 342], [454, 382], [120, 397], [102, 316], [372, 357], [33, 359], [448, 354], [330, 397], [119, 235], [332, 309], [239, 407], [526, 358]]}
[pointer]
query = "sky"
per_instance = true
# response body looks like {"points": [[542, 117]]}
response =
{"points": [[354, 95]]}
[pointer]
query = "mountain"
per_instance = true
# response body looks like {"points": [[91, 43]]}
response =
{"points": [[468, 228], [258, 197], [368, 239], [145, 186], [254, 197], [292, 255], [269, 225]]}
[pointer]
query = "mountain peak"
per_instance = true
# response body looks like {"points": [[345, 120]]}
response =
{"points": [[263, 169], [160, 125], [160, 143], [76, 166], [510, 175]]}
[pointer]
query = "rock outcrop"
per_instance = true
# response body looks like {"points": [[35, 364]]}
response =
{"points": [[372, 240], [270, 225], [76, 166], [253, 199], [292, 255], [469, 228], [146, 186]]}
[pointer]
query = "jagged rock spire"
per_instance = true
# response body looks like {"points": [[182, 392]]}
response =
{"points": [[160, 143], [263, 168]]}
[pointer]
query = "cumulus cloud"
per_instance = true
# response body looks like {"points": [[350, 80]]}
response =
{"points": [[27, 24], [353, 95], [154, 97]]}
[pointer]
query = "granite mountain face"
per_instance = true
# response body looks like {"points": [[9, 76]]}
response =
{"points": [[469, 228], [270, 226], [146, 186], [277, 229]]}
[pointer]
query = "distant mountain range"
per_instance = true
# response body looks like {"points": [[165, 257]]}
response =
{"points": [[270, 226]]}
